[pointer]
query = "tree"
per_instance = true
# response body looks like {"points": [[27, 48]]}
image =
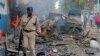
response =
{"points": [[81, 3], [66, 5]]}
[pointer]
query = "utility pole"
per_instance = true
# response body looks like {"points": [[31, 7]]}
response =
{"points": [[98, 5]]}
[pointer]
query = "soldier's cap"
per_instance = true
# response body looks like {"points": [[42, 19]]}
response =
{"points": [[29, 9]]}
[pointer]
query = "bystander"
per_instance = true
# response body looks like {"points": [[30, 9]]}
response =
{"points": [[97, 20]]}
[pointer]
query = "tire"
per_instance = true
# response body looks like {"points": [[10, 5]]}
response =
{"points": [[73, 31]]}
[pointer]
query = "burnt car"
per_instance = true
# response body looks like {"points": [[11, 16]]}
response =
{"points": [[73, 27], [63, 25]]}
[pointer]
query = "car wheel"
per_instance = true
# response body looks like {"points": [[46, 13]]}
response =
{"points": [[73, 31]]}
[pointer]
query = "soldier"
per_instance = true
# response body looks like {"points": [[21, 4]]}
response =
{"points": [[30, 27]]}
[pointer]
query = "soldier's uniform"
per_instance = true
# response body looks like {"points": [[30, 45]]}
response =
{"points": [[30, 30]]}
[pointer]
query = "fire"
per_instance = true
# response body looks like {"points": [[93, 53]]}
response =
{"points": [[72, 38]]}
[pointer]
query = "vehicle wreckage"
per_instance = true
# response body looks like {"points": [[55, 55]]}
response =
{"points": [[56, 24]]}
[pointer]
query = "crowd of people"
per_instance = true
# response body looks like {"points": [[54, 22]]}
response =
{"points": [[90, 19]]}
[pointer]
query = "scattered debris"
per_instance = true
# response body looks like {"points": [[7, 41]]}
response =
{"points": [[59, 43], [94, 44], [91, 51]]}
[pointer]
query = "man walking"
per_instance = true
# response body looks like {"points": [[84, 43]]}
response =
{"points": [[29, 26]]}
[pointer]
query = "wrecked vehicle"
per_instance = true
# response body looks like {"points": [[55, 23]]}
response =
{"points": [[65, 25], [73, 27], [56, 24]]}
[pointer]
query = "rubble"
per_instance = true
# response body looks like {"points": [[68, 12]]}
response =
{"points": [[68, 48], [58, 43], [63, 44], [91, 51]]}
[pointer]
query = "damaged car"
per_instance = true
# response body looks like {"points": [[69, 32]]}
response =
{"points": [[65, 25]]}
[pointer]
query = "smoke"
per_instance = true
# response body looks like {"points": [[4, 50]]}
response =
{"points": [[57, 4], [41, 7]]}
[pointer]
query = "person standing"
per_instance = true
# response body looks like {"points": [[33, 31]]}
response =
{"points": [[91, 19], [30, 28], [15, 23], [85, 20], [82, 19], [97, 20]]}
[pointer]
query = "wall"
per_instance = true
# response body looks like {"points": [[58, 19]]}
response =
{"points": [[4, 21]]}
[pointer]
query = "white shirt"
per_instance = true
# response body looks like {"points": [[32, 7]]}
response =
{"points": [[82, 17]]}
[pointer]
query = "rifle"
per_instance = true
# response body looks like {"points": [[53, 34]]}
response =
{"points": [[20, 41]]}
